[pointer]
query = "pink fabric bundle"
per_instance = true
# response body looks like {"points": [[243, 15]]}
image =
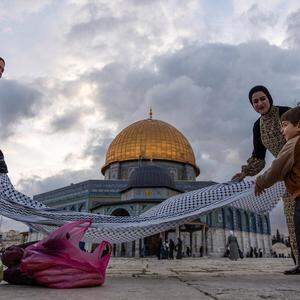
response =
{"points": [[57, 261]]}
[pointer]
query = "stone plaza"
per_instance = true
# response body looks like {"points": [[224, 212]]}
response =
{"points": [[198, 278]]}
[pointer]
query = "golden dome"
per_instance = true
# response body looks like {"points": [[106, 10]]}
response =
{"points": [[150, 139]]}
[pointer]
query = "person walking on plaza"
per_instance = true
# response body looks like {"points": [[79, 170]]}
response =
{"points": [[286, 167], [233, 246], [188, 251], [167, 249], [172, 248], [164, 250], [267, 136], [179, 249], [251, 252], [159, 246], [201, 251]]}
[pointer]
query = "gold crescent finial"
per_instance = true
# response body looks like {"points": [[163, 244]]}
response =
{"points": [[150, 113]]}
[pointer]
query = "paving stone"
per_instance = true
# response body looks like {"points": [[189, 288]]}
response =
{"points": [[199, 278]]}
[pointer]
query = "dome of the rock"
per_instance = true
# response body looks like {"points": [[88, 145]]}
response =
{"points": [[150, 140]]}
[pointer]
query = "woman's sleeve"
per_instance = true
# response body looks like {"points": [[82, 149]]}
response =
{"points": [[3, 166], [283, 109], [257, 160]]}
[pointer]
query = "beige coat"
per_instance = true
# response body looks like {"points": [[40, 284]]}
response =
{"points": [[285, 167]]}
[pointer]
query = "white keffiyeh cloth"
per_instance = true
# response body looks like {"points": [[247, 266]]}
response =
{"points": [[172, 212]]}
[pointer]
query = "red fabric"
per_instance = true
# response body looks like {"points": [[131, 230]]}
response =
{"points": [[57, 261]]}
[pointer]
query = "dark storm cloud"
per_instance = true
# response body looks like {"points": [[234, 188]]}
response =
{"points": [[94, 26], [97, 146], [121, 89], [142, 2], [66, 121], [101, 27], [114, 33], [203, 91], [260, 19], [17, 102], [223, 75], [293, 30], [36, 185]]}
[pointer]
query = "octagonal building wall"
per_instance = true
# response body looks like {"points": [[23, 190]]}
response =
{"points": [[122, 170]]}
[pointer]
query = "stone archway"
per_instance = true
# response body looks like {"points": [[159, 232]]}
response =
{"points": [[120, 212], [151, 245], [121, 250]]}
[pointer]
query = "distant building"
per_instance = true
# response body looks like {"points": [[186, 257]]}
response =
{"points": [[281, 250], [148, 162], [12, 237]]}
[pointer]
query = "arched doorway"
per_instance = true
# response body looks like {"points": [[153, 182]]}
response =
{"points": [[151, 244], [120, 212]]}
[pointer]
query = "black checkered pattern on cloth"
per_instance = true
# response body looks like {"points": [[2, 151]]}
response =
{"points": [[172, 212]]}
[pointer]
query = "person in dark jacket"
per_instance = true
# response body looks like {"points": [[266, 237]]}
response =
{"points": [[233, 246], [179, 249], [251, 252], [172, 248], [159, 247]]}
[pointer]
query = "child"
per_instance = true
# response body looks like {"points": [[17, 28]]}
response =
{"points": [[286, 167]]}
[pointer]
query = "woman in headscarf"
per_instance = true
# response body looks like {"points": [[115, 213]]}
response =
{"points": [[233, 246], [267, 136]]}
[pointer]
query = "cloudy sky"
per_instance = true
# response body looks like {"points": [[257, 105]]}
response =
{"points": [[79, 71]]}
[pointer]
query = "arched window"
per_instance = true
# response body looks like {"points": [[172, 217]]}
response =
{"points": [[267, 225], [209, 219], [260, 225], [253, 223], [130, 171], [239, 220], [229, 219], [247, 223]]}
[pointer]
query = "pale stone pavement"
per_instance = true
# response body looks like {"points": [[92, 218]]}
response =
{"points": [[198, 278]]}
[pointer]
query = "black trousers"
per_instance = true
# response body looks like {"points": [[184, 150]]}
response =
{"points": [[297, 225]]}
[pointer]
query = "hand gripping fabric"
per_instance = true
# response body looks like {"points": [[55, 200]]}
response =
{"points": [[172, 212], [57, 261]]}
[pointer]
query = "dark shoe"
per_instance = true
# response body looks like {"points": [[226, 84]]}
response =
{"points": [[294, 271]]}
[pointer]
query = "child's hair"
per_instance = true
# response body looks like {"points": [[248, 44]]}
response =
{"points": [[292, 116], [2, 59]]}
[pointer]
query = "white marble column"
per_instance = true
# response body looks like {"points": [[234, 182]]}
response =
{"points": [[177, 232]]}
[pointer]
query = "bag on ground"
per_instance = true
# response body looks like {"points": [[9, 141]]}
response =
{"points": [[58, 262]]}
